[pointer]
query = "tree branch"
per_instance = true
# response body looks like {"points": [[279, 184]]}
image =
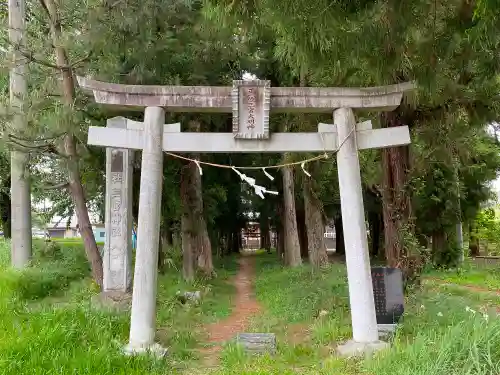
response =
{"points": [[44, 6], [43, 148], [81, 60], [112, 5], [31, 58], [44, 139], [62, 185]]}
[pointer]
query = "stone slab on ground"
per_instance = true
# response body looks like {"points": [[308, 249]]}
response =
{"points": [[386, 331], [360, 349], [257, 343]]}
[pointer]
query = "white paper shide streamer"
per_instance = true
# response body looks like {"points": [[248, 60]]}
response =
{"points": [[259, 190], [304, 170], [199, 167], [267, 174]]}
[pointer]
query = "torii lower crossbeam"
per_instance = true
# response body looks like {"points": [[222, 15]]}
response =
{"points": [[326, 139]]}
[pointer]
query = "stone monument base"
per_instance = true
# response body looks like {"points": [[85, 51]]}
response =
{"points": [[112, 300], [155, 350], [359, 349]]}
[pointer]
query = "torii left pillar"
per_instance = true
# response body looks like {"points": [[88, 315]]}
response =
{"points": [[142, 324]]}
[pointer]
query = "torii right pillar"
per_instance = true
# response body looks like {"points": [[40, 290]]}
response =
{"points": [[364, 322]]}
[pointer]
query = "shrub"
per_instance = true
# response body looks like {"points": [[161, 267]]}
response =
{"points": [[53, 269]]}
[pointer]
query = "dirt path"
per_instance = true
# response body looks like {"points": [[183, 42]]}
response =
{"points": [[245, 305]]}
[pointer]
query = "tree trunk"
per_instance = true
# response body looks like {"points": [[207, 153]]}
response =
{"points": [[204, 253], [20, 183], [473, 241], [82, 214], [315, 225], [165, 244], [205, 262], [197, 249], [439, 247], [302, 231], [187, 226], [168, 237], [375, 221], [339, 236], [265, 236], [69, 145], [161, 254], [237, 242], [395, 200], [280, 245], [5, 207], [233, 241], [292, 245], [280, 232]]}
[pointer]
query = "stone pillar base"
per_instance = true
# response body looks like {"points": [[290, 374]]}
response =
{"points": [[360, 349], [154, 350]]}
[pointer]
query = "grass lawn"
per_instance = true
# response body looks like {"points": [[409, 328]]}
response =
{"points": [[473, 274], [48, 324], [439, 334]]}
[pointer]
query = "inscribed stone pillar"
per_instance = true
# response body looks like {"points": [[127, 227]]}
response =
{"points": [[364, 323], [118, 217], [142, 326]]}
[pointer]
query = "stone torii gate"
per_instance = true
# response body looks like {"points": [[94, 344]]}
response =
{"points": [[250, 102]]}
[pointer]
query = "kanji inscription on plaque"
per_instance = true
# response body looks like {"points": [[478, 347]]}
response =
{"points": [[251, 104], [388, 294]]}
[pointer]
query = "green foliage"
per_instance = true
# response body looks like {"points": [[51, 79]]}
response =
{"points": [[488, 230], [71, 241], [452, 167], [449, 256], [448, 48], [53, 270]]}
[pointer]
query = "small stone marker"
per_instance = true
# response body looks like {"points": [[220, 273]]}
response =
{"points": [[388, 294], [386, 331], [257, 343], [185, 297], [112, 300]]}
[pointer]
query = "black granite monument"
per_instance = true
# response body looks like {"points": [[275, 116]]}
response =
{"points": [[388, 294]]}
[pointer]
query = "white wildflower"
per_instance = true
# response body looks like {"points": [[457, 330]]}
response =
{"points": [[440, 313], [422, 307], [486, 316], [468, 309]]}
